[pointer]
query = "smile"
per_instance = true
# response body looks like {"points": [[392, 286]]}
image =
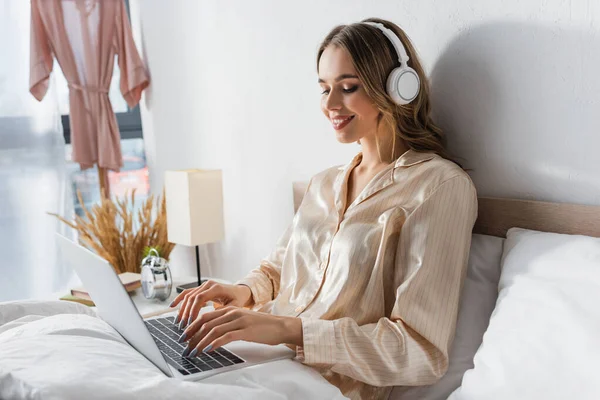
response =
{"points": [[339, 123]]}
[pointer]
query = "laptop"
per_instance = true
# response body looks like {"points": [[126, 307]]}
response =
{"points": [[156, 338]]}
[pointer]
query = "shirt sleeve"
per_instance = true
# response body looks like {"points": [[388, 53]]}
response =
{"points": [[264, 281], [410, 347], [134, 78], [40, 55]]}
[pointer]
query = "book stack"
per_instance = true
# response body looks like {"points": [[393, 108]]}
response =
{"points": [[130, 280]]}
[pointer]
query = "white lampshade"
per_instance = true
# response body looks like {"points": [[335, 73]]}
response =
{"points": [[194, 206]]}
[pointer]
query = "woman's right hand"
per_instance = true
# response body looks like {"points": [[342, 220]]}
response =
{"points": [[192, 300]]}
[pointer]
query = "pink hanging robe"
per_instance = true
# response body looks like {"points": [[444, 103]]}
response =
{"points": [[84, 36]]}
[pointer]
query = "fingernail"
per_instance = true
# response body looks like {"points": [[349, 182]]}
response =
{"points": [[176, 320], [207, 348], [193, 353], [182, 338], [189, 320], [171, 305], [181, 324], [186, 351]]}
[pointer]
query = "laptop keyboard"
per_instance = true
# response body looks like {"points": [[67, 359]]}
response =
{"points": [[165, 333]]}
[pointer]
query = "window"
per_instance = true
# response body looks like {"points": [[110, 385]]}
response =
{"points": [[134, 175]]}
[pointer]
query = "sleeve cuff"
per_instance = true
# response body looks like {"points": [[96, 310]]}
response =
{"points": [[38, 81], [319, 344], [260, 286], [133, 85]]}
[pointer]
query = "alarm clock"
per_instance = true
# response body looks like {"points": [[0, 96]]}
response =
{"points": [[156, 277]]}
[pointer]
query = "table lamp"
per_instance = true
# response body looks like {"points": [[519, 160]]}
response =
{"points": [[194, 200]]}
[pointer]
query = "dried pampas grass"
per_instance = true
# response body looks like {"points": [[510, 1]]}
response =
{"points": [[117, 235]]}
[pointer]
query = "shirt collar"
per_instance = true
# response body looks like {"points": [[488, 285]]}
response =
{"points": [[410, 157]]}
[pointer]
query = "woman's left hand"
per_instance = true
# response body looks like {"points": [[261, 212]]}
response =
{"points": [[214, 329]]}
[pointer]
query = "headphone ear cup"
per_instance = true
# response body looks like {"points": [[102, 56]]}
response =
{"points": [[403, 85]]}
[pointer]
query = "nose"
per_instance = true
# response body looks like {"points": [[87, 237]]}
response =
{"points": [[333, 101]]}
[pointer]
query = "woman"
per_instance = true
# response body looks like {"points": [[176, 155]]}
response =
{"points": [[365, 282]]}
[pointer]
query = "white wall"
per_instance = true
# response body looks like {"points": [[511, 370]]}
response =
{"points": [[515, 85]]}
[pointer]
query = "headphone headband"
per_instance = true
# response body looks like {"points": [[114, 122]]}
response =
{"points": [[403, 83], [396, 42]]}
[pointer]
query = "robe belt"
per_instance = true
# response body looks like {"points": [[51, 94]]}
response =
{"points": [[87, 88]]}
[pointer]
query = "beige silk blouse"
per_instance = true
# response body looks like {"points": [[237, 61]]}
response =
{"points": [[377, 287]]}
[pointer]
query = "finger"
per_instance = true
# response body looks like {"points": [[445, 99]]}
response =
{"points": [[192, 310], [182, 295], [190, 349], [181, 298], [219, 334], [183, 318], [197, 300], [201, 300], [187, 294], [231, 336], [185, 310], [202, 326], [197, 324], [195, 306]]}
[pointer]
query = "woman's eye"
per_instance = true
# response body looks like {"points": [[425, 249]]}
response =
{"points": [[349, 90]]}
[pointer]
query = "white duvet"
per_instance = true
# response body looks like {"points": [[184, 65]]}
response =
{"points": [[61, 350]]}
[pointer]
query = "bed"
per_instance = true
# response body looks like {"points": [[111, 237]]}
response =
{"points": [[526, 329]]}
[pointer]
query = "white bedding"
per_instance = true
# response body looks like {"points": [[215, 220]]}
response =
{"points": [[542, 341], [61, 350], [75, 360]]}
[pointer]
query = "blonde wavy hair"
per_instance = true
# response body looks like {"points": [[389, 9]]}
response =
{"points": [[374, 57]]}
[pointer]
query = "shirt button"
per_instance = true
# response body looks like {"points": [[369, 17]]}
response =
{"points": [[323, 265], [299, 308]]}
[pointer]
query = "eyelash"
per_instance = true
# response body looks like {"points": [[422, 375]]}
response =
{"points": [[350, 90]]}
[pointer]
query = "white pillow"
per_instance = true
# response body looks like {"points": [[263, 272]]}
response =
{"points": [[477, 303], [543, 340], [13, 310]]}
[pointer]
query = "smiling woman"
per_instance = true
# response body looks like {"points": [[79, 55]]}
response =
{"points": [[362, 85], [365, 282]]}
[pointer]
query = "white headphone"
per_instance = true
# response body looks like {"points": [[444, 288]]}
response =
{"points": [[403, 82]]}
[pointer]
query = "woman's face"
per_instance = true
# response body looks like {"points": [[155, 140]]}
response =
{"points": [[344, 100]]}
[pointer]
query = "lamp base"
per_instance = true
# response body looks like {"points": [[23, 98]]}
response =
{"points": [[191, 285]]}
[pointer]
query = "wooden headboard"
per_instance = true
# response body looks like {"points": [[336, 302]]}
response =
{"points": [[497, 215]]}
